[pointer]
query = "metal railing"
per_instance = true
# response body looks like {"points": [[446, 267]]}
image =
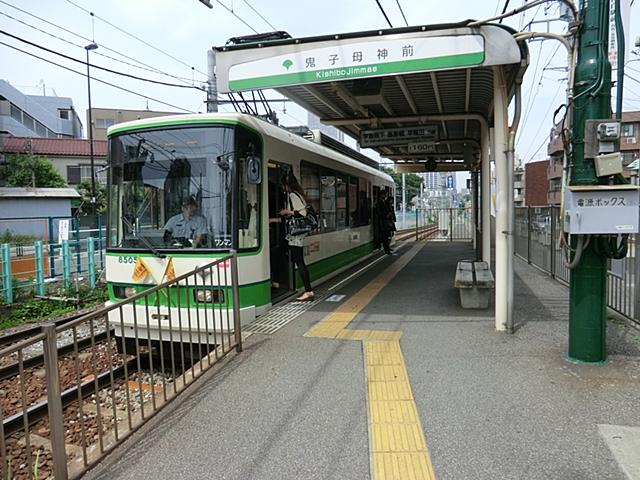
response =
{"points": [[537, 231], [453, 224], [60, 416]]}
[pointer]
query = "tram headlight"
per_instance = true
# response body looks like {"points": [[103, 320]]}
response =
{"points": [[208, 295], [122, 292], [204, 296]]}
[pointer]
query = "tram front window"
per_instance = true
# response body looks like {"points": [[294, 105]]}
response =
{"points": [[171, 189]]}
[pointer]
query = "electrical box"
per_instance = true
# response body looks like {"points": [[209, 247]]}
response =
{"points": [[608, 164], [601, 136], [601, 209]]}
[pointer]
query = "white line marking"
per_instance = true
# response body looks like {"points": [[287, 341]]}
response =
{"points": [[369, 265]]}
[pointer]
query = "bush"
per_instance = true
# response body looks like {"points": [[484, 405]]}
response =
{"points": [[15, 239]]}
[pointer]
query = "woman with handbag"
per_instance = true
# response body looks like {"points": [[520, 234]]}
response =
{"points": [[297, 207]]}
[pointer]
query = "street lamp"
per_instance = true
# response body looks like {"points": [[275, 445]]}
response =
{"points": [[88, 48]]}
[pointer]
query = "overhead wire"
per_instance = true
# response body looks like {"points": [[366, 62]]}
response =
{"points": [[96, 79], [154, 69], [128, 75], [532, 98], [402, 12], [384, 13], [133, 36], [546, 139], [259, 14], [234, 14], [504, 9], [62, 39]]}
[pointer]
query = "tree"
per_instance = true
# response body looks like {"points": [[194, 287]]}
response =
{"points": [[412, 184], [84, 189], [28, 170]]}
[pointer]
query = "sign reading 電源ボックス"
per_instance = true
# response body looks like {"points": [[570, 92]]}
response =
{"points": [[397, 136], [358, 58]]}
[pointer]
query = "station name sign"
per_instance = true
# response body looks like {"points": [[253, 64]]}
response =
{"points": [[345, 59], [397, 136]]}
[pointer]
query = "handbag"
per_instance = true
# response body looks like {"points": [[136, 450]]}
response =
{"points": [[303, 224]]}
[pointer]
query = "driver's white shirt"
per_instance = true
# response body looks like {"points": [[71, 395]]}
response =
{"points": [[183, 227]]}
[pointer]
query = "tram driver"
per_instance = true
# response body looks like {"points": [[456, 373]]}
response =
{"points": [[187, 229]]}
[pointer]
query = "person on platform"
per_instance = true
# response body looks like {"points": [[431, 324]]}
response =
{"points": [[385, 220]]}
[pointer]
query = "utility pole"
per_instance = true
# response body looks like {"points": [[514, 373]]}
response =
{"points": [[88, 48], [592, 100], [212, 88]]}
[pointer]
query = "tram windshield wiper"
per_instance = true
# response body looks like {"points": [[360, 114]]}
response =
{"points": [[146, 242]]}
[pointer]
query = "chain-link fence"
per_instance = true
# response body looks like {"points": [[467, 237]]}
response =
{"points": [[537, 233]]}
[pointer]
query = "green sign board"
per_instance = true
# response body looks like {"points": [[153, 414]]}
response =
{"points": [[348, 59]]}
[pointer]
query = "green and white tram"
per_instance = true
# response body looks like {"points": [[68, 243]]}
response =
{"points": [[228, 167]]}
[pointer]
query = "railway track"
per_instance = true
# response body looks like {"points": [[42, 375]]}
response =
{"points": [[8, 339]]}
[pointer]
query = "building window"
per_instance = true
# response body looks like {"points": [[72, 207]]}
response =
{"points": [[77, 174], [41, 130], [63, 114], [105, 122], [628, 129], [16, 113], [29, 122]]}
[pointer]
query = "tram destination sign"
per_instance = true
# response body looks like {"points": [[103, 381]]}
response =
{"points": [[345, 59], [397, 136]]}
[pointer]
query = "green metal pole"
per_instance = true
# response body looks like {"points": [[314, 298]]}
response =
{"points": [[91, 263], [39, 268], [66, 265], [7, 279], [592, 99]]}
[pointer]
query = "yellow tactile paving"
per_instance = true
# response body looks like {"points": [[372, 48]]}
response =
{"points": [[397, 445], [397, 437], [402, 466], [389, 391], [393, 412], [386, 373]]}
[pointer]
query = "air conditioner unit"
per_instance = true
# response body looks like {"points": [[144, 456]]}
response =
{"points": [[630, 139]]}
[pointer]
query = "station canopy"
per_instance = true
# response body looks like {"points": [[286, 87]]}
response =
{"points": [[411, 94]]}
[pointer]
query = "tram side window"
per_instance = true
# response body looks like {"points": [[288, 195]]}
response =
{"points": [[364, 202], [310, 183], [353, 201], [328, 201], [341, 201]]}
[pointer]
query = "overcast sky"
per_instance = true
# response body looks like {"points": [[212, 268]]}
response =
{"points": [[179, 32]]}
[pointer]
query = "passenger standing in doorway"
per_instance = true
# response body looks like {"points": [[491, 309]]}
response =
{"points": [[297, 206], [385, 220]]}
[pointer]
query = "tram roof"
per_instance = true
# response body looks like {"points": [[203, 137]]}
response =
{"points": [[404, 92], [256, 123]]}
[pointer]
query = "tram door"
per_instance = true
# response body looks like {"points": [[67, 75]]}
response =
{"points": [[279, 259]]}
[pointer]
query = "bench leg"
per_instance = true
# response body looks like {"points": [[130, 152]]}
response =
{"points": [[475, 298]]}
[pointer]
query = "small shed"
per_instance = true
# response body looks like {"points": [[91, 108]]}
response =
{"points": [[26, 211]]}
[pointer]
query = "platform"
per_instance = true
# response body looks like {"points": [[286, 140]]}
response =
{"points": [[299, 403]]}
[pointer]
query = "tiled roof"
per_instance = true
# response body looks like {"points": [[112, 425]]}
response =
{"points": [[630, 117], [71, 147]]}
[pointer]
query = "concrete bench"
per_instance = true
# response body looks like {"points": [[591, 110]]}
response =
{"points": [[475, 282]]}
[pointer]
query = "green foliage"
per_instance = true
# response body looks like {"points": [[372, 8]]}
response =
{"points": [[412, 183], [22, 170], [15, 239], [34, 310], [84, 189]]}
